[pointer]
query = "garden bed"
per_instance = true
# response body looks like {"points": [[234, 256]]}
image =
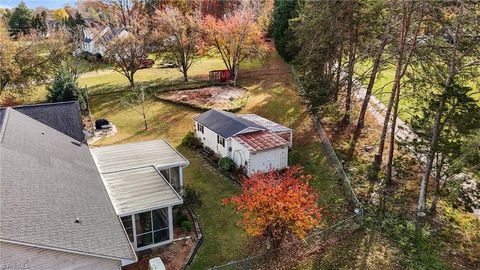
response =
{"points": [[225, 98]]}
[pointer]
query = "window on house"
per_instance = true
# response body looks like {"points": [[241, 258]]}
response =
{"points": [[151, 227], [200, 128], [173, 176], [221, 140]]}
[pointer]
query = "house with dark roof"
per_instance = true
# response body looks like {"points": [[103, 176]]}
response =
{"points": [[64, 205], [254, 143], [55, 210]]}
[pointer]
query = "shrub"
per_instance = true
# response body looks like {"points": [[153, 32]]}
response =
{"points": [[188, 139], [186, 225], [181, 217], [191, 197], [226, 164]]}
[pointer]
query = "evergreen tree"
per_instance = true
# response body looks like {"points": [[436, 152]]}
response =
{"points": [[462, 119], [20, 21], [283, 36], [64, 88], [39, 22]]}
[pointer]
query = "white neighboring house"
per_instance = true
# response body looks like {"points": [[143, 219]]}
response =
{"points": [[251, 141], [94, 39]]}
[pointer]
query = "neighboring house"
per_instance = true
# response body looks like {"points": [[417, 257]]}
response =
{"points": [[252, 142], [95, 39], [54, 208], [143, 180]]}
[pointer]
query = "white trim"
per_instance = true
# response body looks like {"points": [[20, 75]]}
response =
{"points": [[134, 232], [170, 230], [170, 224], [180, 173], [66, 250], [154, 245], [254, 130], [151, 209], [188, 162]]}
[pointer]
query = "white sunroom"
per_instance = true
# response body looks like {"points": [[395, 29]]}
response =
{"points": [[144, 181]]}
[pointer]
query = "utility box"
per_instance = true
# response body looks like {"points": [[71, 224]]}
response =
{"points": [[156, 264]]}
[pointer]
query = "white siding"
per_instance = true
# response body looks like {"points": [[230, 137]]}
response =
{"points": [[209, 139], [13, 256], [264, 161], [240, 154]]}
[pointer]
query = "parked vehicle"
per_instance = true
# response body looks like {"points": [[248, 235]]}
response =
{"points": [[147, 63]]}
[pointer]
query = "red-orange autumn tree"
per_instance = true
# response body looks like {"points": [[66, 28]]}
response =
{"points": [[276, 204], [235, 37]]}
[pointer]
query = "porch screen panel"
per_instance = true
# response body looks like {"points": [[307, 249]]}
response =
{"points": [[143, 225], [160, 225], [152, 227], [128, 225]]}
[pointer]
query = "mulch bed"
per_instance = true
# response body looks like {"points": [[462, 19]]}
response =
{"points": [[174, 255], [226, 97]]}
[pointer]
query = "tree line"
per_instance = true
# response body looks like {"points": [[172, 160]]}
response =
{"points": [[433, 51]]}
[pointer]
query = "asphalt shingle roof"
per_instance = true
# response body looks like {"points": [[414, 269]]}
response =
{"points": [[47, 181], [62, 116], [226, 124]]}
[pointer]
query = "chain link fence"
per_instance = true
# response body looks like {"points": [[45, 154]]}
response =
{"points": [[289, 255]]}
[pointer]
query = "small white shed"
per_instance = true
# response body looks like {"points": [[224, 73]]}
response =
{"points": [[251, 141]]}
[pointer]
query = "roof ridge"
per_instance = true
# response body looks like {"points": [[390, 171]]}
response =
{"points": [[43, 104]]}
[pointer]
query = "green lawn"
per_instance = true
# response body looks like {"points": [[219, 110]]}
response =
{"points": [[409, 100], [273, 97]]}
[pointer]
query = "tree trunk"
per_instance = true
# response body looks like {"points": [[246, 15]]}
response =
{"points": [[339, 73], [132, 82], [391, 149], [185, 75], [368, 91], [373, 76], [351, 66], [398, 75], [437, 130], [436, 194], [431, 155]]}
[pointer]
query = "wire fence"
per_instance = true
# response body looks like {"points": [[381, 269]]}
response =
{"points": [[328, 146], [287, 256]]}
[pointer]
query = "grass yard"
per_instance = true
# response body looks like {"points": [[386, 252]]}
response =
{"points": [[273, 97], [409, 100]]}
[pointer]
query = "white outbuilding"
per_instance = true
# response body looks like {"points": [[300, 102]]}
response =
{"points": [[251, 141]]}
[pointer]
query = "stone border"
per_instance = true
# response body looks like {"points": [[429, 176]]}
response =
{"points": [[200, 237]]}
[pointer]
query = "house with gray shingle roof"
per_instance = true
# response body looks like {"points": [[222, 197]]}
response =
{"points": [[63, 204], [55, 210], [254, 143]]}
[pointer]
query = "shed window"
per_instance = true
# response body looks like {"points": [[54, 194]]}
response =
{"points": [[200, 128], [221, 140]]}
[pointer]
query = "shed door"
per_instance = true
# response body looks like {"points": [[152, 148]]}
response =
{"points": [[284, 158]]}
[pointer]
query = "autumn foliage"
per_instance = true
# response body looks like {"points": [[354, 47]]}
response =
{"points": [[275, 205], [235, 37]]}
